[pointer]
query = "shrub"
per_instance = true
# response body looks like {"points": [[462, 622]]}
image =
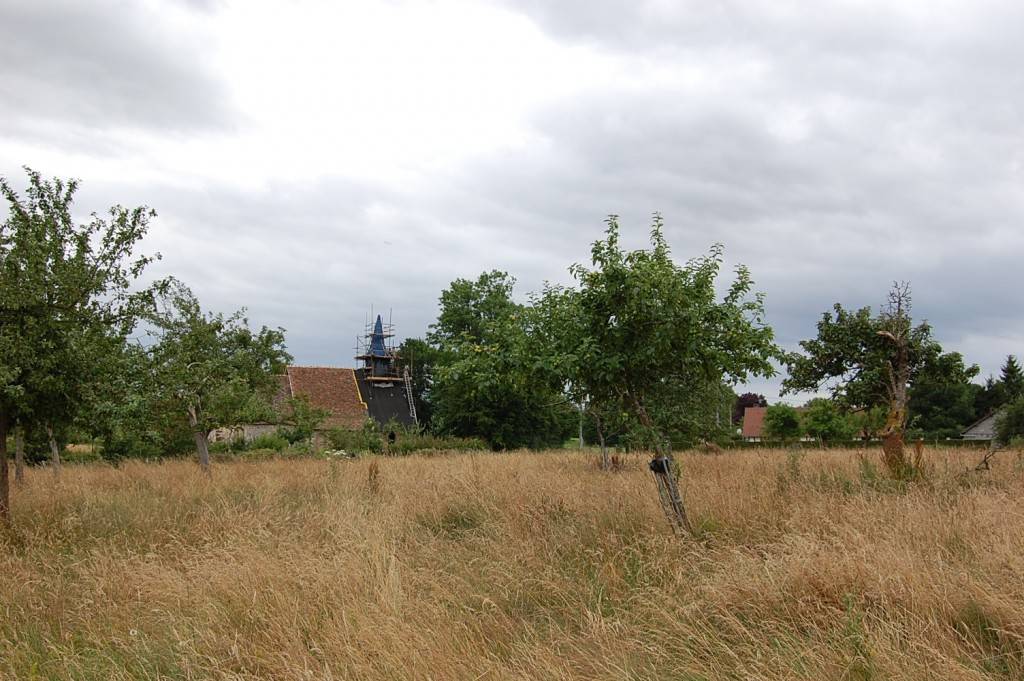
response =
{"points": [[407, 441], [824, 422], [782, 421], [367, 439], [305, 418], [81, 454], [1010, 424], [276, 441]]}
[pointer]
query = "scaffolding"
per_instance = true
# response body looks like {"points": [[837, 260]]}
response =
{"points": [[381, 372], [376, 350]]}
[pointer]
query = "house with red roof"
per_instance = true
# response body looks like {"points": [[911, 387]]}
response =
{"points": [[753, 423]]}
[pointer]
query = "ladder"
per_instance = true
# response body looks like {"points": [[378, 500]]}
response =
{"points": [[409, 396]]}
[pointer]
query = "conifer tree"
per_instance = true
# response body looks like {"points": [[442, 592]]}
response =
{"points": [[1012, 378]]}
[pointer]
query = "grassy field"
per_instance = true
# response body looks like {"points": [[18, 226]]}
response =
{"points": [[516, 566]]}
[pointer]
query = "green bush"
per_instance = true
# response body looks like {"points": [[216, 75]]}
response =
{"points": [[81, 454], [782, 422], [276, 441], [1010, 424], [367, 439], [373, 439], [823, 421]]}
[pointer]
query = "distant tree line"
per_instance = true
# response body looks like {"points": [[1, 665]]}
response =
{"points": [[640, 351]]}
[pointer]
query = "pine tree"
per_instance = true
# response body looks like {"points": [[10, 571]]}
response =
{"points": [[1012, 378]]}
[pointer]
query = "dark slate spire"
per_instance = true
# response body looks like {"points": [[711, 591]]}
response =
{"points": [[377, 348]]}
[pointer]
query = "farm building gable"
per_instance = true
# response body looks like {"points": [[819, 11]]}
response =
{"points": [[753, 422], [982, 429]]}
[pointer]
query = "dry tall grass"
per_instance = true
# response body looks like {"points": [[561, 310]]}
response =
{"points": [[517, 566]]}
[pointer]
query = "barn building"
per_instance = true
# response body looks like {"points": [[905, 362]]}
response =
{"points": [[386, 390], [982, 429], [378, 389], [753, 423]]}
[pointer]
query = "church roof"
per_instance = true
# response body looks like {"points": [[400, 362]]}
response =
{"points": [[333, 389]]}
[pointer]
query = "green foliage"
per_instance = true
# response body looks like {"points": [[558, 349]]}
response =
{"points": [[37, 442], [823, 420], [867, 423], [409, 440], [990, 397], [640, 331], [942, 397], [275, 441], [368, 439], [492, 380], [874, 361], [421, 358], [304, 419], [851, 357], [1010, 423], [861, 665], [688, 413], [66, 300], [782, 422], [134, 418], [1012, 379], [473, 310], [212, 368]]}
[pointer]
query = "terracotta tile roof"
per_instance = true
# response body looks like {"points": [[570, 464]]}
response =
{"points": [[753, 421], [333, 389]]}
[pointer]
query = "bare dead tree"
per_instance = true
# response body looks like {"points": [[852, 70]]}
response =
{"points": [[896, 327], [993, 448]]}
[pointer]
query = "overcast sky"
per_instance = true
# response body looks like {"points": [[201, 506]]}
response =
{"points": [[311, 159]]}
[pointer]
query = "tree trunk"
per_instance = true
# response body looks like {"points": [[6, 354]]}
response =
{"points": [[581, 428], [664, 474], [202, 448], [54, 451], [898, 332], [5, 483], [19, 455], [893, 454], [648, 423], [605, 464]]}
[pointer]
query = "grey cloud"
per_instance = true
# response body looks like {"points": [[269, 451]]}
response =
{"points": [[312, 258], [202, 5], [74, 74], [832, 151], [923, 186], [857, 29]]}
